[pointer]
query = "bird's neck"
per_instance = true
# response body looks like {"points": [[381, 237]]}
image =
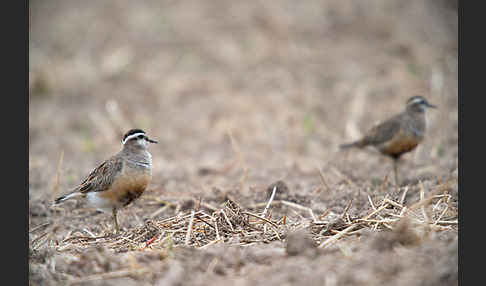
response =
{"points": [[136, 153], [417, 122]]}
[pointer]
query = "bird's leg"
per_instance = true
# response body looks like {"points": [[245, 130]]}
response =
{"points": [[395, 170], [117, 229]]}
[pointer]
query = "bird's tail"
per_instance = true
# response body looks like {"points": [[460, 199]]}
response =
{"points": [[66, 197], [357, 144]]}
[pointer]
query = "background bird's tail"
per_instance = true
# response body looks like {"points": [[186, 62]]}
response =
{"points": [[357, 144]]}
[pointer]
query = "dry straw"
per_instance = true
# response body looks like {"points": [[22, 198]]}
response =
{"points": [[234, 225]]}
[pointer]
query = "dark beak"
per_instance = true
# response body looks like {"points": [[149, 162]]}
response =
{"points": [[430, 105], [151, 141]]}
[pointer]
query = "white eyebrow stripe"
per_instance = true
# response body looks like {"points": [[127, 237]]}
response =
{"points": [[132, 136], [416, 100]]}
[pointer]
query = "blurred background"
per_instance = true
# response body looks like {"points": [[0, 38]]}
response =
{"points": [[241, 91]]}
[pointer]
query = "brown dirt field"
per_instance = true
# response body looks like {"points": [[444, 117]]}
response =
{"points": [[241, 97]]}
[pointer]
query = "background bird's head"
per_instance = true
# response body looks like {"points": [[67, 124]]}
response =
{"points": [[418, 103]]}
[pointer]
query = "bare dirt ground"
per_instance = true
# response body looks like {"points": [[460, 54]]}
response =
{"points": [[243, 96]]}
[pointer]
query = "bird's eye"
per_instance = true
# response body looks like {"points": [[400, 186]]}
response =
{"points": [[140, 136]]}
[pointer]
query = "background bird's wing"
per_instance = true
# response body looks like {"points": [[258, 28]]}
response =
{"points": [[102, 177], [383, 131]]}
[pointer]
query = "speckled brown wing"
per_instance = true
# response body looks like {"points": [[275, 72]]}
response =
{"points": [[101, 178]]}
